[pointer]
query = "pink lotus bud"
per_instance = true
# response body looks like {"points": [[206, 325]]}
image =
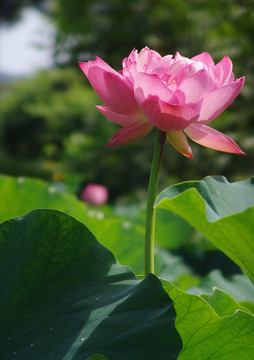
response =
{"points": [[94, 194], [173, 93]]}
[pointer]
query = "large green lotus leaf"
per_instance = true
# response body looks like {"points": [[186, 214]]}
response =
{"points": [[223, 303], [121, 233], [220, 210], [63, 296], [205, 334], [21, 195], [238, 286]]}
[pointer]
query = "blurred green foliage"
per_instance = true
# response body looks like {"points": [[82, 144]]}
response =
{"points": [[49, 126]]}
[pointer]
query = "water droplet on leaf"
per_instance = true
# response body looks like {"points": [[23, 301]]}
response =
{"points": [[52, 190], [21, 180], [126, 225]]}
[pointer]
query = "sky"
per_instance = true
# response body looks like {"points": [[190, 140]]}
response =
{"points": [[26, 46]]}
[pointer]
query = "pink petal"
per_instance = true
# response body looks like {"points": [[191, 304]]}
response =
{"points": [[132, 58], [147, 60], [179, 64], [153, 61], [142, 59], [130, 133], [85, 66], [163, 67], [217, 101], [121, 119], [179, 141], [168, 117], [113, 89], [196, 86], [179, 57], [212, 138], [166, 60], [223, 70], [205, 58], [148, 84]]}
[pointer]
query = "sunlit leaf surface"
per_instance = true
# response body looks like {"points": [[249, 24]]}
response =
{"points": [[220, 210], [213, 329]]}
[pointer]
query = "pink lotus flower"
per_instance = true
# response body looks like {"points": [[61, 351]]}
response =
{"points": [[95, 194], [175, 94]]}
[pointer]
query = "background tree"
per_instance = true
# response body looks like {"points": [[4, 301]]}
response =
{"points": [[10, 10]]}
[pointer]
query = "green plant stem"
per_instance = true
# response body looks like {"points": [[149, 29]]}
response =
{"points": [[151, 197]]}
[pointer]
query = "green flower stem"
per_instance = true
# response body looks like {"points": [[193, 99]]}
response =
{"points": [[151, 197]]}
